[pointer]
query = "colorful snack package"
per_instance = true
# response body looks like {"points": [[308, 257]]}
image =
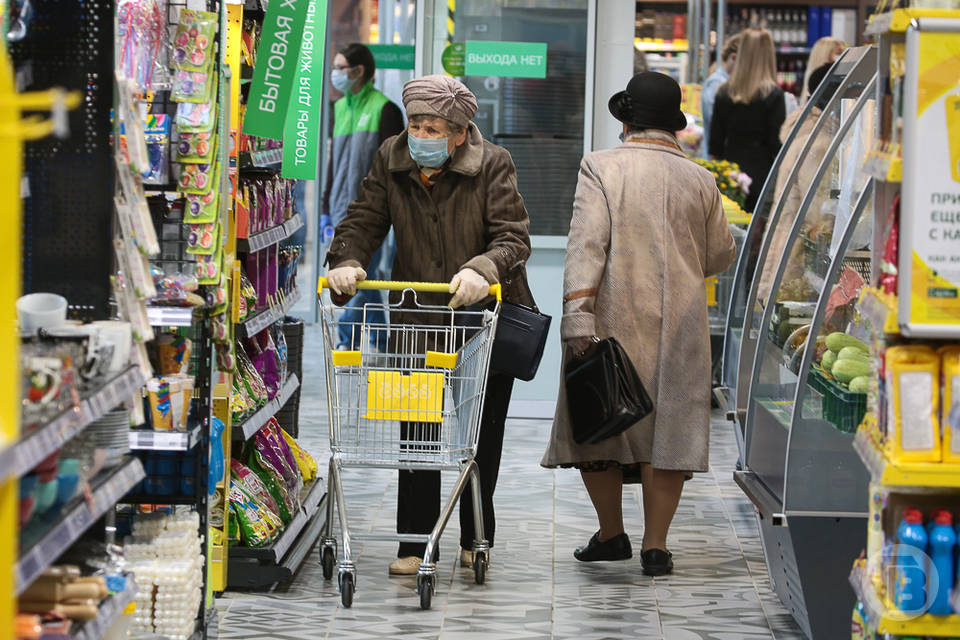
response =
{"points": [[263, 354], [280, 340], [274, 482], [274, 451], [156, 130], [202, 208], [195, 117], [196, 148], [194, 40], [306, 462], [257, 526], [251, 482], [202, 239], [198, 178]]}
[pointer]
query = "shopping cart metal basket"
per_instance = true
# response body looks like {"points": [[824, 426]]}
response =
{"points": [[415, 405]]}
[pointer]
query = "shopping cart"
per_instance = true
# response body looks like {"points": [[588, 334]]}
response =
{"points": [[416, 405]]}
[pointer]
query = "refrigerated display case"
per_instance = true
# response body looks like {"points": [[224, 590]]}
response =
{"points": [[798, 464], [854, 68]]}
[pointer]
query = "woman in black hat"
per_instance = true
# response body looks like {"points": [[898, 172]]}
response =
{"points": [[648, 227]]}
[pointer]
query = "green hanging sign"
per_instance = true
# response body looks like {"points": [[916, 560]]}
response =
{"points": [[506, 59], [393, 56], [275, 69], [301, 133]]}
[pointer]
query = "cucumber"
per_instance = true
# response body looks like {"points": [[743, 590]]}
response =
{"points": [[837, 341], [829, 358], [853, 352], [860, 384], [846, 370]]}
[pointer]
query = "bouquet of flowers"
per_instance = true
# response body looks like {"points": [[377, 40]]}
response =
{"points": [[731, 182]]}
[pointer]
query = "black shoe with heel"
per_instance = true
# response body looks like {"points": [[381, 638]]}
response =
{"points": [[657, 562], [616, 548]]}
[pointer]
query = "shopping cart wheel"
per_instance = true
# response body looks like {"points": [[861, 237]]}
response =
{"points": [[425, 587], [327, 561], [480, 566], [346, 589]]}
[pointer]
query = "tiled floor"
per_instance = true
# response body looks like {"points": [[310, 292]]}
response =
{"points": [[535, 588]]}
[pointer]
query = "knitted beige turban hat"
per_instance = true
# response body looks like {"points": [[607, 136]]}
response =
{"points": [[440, 96]]}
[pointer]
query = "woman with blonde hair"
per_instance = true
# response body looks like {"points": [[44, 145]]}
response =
{"points": [[824, 50], [748, 112]]}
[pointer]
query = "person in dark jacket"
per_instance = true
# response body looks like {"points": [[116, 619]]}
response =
{"points": [[452, 200], [748, 112], [362, 120]]}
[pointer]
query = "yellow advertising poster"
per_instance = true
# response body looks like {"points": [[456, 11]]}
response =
{"points": [[930, 210], [417, 397]]}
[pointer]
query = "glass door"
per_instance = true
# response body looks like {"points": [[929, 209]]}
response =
{"points": [[533, 107]]}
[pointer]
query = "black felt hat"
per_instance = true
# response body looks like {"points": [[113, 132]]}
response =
{"points": [[651, 101]]}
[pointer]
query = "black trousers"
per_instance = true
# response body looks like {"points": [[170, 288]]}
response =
{"points": [[418, 496]]}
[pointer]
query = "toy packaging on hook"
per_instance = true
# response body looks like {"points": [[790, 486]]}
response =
{"points": [[157, 134]]}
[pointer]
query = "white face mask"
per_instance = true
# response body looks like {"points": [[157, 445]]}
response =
{"points": [[341, 80]]}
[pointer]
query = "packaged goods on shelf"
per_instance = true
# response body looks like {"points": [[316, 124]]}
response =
{"points": [[164, 553]]}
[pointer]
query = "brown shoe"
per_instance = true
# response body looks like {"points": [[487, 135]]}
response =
{"points": [[406, 566]]}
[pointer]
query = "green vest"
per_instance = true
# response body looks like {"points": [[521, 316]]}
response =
{"points": [[356, 138]]}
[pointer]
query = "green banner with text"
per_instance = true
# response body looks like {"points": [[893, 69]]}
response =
{"points": [[393, 56], [301, 133], [275, 69], [506, 59]]}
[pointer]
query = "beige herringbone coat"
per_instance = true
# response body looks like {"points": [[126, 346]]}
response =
{"points": [[648, 227]]}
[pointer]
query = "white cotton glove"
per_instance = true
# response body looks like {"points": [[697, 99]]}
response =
{"points": [[470, 287], [343, 280]]}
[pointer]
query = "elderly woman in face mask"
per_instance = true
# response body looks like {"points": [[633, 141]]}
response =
{"points": [[452, 200]]}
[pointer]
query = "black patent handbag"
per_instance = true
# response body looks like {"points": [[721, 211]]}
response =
{"points": [[520, 339], [605, 396]]}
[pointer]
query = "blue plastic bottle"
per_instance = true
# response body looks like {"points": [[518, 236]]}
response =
{"points": [[942, 540], [912, 568]]}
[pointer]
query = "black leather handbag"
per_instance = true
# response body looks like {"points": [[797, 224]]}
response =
{"points": [[605, 396], [520, 339]]}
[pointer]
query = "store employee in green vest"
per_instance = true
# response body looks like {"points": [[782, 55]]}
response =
{"points": [[362, 119]]}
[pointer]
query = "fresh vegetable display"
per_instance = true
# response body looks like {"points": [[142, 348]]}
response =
{"points": [[847, 360]]}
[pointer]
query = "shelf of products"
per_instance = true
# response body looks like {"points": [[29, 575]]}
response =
{"points": [[110, 611], [658, 44], [271, 236], [45, 439], [252, 424], [78, 516], [257, 323]]}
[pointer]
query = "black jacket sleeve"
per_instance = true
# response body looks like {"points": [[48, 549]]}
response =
{"points": [[718, 125], [391, 121], [329, 185], [778, 113]]}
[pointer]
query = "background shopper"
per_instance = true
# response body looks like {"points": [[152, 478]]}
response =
{"points": [[806, 173], [362, 120], [648, 227], [826, 50], [708, 93], [748, 112], [452, 200]]}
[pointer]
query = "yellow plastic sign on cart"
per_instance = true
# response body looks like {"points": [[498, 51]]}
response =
{"points": [[417, 397]]}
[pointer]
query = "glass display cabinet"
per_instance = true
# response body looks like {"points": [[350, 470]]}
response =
{"points": [[796, 418], [855, 66]]}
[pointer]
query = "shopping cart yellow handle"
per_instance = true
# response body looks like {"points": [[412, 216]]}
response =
{"points": [[420, 287]]}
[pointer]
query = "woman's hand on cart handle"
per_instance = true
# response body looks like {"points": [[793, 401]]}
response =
{"points": [[469, 288], [343, 280]]}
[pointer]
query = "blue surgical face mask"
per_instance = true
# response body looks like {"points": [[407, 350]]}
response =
{"points": [[341, 80], [428, 152]]}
